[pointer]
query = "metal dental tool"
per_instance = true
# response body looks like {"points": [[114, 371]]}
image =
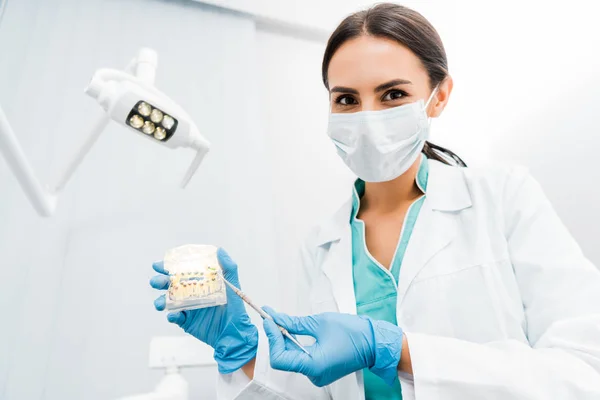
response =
{"points": [[263, 314]]}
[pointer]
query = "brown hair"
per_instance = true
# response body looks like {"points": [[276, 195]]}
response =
{"points": [[407, 27]]}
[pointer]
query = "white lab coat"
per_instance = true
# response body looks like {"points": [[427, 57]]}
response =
{"points": [[495, 297]]}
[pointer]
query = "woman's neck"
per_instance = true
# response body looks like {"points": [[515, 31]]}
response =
{"points": [[387, 197]]}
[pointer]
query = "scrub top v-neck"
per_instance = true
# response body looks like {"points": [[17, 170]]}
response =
{"points": [[375, 287]]}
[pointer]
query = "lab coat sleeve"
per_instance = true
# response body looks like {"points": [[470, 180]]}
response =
{"points": [[560, 291], [270, 384]]}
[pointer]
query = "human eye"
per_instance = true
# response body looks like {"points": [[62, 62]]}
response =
{"points": [[345, 100], [394, 94]]}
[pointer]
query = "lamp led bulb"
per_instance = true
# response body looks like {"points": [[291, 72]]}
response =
{"points": [[160, 133], [156, 116], [148, 128], [168, 122], [144, 109], [136, 121]]}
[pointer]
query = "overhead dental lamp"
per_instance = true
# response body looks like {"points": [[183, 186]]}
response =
{"points": [[128, 98]]}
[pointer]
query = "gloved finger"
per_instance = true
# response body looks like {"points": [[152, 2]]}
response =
{"points": [[276, 340], [230, 268], [288, 343], [159, 266], [160, 303], [297, 325], [285, 359], [177, 318], [160, 282]]}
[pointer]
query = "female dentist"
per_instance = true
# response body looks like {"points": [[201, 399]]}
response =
{"points": [[432, 281]]}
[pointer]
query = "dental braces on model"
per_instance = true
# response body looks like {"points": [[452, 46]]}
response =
{"points": [[196, 278], [194, 284]]}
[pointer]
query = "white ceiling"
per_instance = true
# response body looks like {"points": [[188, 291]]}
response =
{"points": [[317, 16]]}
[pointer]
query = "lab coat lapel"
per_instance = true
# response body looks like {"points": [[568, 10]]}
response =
{"points": [[338, 268], [447, 194], [337, 265], [433, 231]]}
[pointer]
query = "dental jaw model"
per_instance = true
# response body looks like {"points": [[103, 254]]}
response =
{"points": [[196, 278]]}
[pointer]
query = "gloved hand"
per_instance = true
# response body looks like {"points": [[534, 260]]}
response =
{"points": [[225, 328], [344, 344]]}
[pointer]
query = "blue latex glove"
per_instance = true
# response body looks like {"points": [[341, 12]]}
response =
{"points": [[226, 328], [344, 344]]}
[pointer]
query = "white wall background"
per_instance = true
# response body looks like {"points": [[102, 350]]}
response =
{"points": [[76, 308], [77, 312]]}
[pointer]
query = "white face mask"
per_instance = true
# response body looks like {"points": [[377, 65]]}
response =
{"points": [[379, 146]]}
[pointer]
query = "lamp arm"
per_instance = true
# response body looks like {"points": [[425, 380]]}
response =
{"points": [[83, 150], [40, 197]]}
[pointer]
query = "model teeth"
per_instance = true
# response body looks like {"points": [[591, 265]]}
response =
{"points": [[193, 285], [195, 277]]}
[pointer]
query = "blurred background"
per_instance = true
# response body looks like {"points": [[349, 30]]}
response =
{"points": [[76, 308]]}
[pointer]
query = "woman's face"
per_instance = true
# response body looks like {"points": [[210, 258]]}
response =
{"points": [[370, 73]]}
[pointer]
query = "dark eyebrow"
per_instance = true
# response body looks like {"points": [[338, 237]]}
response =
{"points": [[391, 84], [341, 89], [380, 88]]}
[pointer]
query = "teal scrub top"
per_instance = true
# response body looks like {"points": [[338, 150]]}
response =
{"points": [[376, 287]]}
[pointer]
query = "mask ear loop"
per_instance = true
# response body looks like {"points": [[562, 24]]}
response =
{"points": [[433, 93]]}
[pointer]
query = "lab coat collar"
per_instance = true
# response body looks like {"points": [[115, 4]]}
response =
{"points": [[447, 188], [447, 191]]}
